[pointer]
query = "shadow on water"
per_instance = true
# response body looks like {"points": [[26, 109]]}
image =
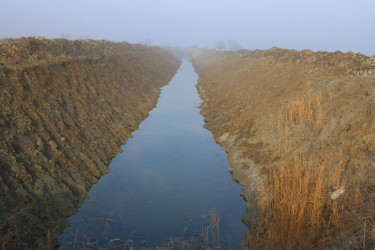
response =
{"points": [[161, 188]]}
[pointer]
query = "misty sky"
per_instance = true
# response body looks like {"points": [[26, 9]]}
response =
{"points": [[330, 25]]}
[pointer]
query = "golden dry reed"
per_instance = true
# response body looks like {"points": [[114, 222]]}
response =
{"points": [[296, 209], [306, 110], [212, 233]]}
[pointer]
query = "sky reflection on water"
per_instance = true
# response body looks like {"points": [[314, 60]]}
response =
{"points": [[165, 182]]}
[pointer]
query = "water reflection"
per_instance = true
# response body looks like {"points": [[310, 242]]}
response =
{"points": [[163, 185]]}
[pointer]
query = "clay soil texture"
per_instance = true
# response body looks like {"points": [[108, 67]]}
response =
{"points": [[66, 108], [299, 129]]}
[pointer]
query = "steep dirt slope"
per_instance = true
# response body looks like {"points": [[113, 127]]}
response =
{"points": [[66, 107], [298, 126]]}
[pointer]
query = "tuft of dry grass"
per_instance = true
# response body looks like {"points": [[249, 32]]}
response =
{"points": [[295, 205], [212, 232], [296, 209], [305, 110], [312, 200]]}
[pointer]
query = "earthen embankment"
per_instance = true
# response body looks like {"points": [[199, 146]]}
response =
{"points": [[299, 128], [66, 108]]}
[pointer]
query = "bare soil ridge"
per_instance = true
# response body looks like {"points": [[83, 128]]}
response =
{"points": [[296, 120], [66, 108]]}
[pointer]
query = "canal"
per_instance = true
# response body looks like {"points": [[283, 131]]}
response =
{"points": [[163, 187]]}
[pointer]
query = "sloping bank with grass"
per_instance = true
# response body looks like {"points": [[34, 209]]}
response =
{"points": [[299, 129], [66, 107]]}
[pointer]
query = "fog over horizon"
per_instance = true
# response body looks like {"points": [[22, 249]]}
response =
{"points": [[292, 24]]}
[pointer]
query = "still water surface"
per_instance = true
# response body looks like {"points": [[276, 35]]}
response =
{"points": [[163, 185]]}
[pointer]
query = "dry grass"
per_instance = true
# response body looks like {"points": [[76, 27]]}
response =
{"points": [[296, 208], [305, 110], [211, 234], [295, 200]]}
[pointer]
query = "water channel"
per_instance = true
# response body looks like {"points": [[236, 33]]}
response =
{"points": [[161, 188]]}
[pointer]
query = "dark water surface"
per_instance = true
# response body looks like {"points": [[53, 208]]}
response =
{"points": [[163, 185]]}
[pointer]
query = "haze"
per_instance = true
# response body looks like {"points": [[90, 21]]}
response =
{"points": [[318, 25]]}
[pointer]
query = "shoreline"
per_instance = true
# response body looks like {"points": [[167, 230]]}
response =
{"points": [[278, 111], [248, 178], [68, 107]]}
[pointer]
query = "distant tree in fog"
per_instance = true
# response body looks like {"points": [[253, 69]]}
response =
{"points": [[147, 42], [233, 45], [86, 37], [66, 36], [220, 45]]}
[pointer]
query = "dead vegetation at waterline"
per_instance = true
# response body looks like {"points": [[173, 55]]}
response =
{"points": [[191, 237], [299, 129]]}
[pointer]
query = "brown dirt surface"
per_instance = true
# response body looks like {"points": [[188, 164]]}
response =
{"points": [[66, 108], [278, 111]]}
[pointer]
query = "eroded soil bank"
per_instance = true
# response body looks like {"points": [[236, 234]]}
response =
{"points": [[297, 117], [66, 107]]}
